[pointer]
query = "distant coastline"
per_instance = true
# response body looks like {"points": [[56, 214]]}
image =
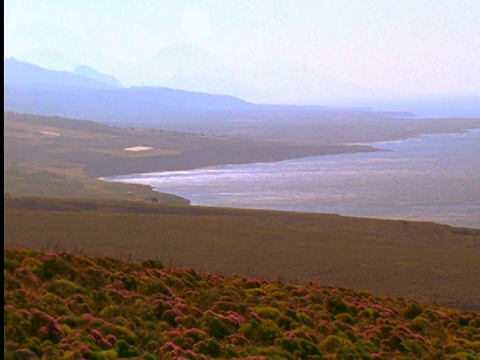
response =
{"points": [[238, 155], [380, 193], [218, 155]]}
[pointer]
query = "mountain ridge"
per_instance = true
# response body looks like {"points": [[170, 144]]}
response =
{"points": [[23, 73], [96, 75], [88, 94], [32, 89]]}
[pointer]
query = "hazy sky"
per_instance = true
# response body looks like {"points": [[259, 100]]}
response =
{"points": [[304, 49]]}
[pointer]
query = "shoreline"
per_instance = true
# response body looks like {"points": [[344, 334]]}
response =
{"points": [[235, 154], [441, 220], [295, 152], [217, 156], [70, 164]]}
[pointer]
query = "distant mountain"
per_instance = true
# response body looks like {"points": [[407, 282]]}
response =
{"points": [[187, 59], [89, 95], [18, 73], [189, 67], [218, 85], [31, 89], [95, 75], [48, 58]]}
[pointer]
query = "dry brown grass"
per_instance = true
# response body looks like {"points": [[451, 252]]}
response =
{"points": [[425, 261]]}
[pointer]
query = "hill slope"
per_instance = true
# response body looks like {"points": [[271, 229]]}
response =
{"points": [[424, 261], [58, 305]]}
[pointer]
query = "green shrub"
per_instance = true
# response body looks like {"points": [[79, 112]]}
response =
{"points": [[284, 323], [211, 348], [462, 355], [292, 314], [307, 348], [111, 311], [475, 322], [153, 286], [149, 356], [395, 342], [335, 305], [10, 283], [332, 342], [188, 321], [289, 344], [92, 278], [124, 350], [217, 328], [476, 346], [369, 313], [65, 288], [413, 310], [104, 355], [265, 332], [7, 355], [120, 332], [305, 319], [353, 354], [268, 313], [420, 324], [131, 283], [15, 333], [152, 264], [10, 264], [345, 318], [54, 265]]}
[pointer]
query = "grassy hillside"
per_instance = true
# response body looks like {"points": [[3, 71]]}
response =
{"points": [[46, 156], [62, 306], [424, 261]]}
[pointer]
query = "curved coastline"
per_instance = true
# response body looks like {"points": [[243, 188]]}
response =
{"points": [[217, 155], [193, 160], [191, 184]]}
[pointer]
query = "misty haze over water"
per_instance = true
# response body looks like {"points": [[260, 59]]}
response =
{"points": [[432, 178]]}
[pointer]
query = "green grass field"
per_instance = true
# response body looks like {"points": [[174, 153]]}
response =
{"points": [[424, 261]]}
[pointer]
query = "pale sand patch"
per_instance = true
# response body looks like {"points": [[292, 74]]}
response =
{"points": [[138, 148], [50, 133]]}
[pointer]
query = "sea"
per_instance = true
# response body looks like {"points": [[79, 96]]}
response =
{"points": [[426, 178]]}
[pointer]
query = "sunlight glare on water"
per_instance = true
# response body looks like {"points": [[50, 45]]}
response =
{"points": [[432, 177]]}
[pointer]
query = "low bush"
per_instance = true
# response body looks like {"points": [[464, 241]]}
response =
{"points": [[142, 310]]}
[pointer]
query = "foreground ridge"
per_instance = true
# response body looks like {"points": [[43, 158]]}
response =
{"points": [[60, 305]]}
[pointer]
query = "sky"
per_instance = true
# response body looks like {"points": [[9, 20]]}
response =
{"points": [[297, 51]]}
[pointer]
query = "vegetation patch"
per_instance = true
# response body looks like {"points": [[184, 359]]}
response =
{"points": [[60, 315]]}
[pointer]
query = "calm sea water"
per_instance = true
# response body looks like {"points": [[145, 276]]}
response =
{"points": [[431, 178]]}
